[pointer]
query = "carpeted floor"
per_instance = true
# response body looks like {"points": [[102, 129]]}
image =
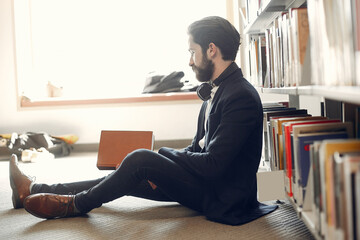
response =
{"points": [[129, 217]]}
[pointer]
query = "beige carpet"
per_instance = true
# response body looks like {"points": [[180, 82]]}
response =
{"points": [[128, 217]]}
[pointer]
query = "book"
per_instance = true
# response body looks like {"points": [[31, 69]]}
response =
{"points": [[302, 144], [346, 188], [275, 33], [357, 122], [317, 201], [300, 35], [356, 21], [339, 197], [258, 60], [267, 81], [268, 138], [262, 60], [285, 22], [288, 153], [269, 107], [312, 129], [351, 169], [272, 139], [279, 143], [116, 145], [286, 43], [332, 54], [273, 147], [253, 57], [273, 112], [357, 200], [326, 151], [290, 80], [276, 146]]}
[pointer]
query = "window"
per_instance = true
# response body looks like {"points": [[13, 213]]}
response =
{"points": [[102, 48]]}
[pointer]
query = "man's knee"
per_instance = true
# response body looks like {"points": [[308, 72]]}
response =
{"points": [[138, 157]]}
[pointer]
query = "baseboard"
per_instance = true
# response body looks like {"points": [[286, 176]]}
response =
{"points": [[179, 143], [94, 147]]}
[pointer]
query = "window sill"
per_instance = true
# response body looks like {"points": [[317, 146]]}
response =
{"points": [[59, 101]]}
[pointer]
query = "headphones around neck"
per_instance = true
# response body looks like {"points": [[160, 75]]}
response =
{"points": [[204, 91]]}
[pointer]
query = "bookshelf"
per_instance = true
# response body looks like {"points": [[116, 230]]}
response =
{"points": [[267, 12], [335, 82]]}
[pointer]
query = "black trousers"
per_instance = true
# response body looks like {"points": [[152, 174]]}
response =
{"points": [[172, 181]]}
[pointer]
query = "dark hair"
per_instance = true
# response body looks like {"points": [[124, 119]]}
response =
{"points": [[219, 31]]}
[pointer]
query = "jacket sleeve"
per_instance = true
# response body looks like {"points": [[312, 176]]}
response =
{"points": [[230, 128]]}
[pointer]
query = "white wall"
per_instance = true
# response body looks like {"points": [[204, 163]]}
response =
{"points": [[168, 120]]}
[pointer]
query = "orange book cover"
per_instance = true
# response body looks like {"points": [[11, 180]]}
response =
{"points": [[116, 145]]}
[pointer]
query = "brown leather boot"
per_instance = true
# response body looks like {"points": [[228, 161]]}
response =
{"points": [[48, 205], [19, 182]]}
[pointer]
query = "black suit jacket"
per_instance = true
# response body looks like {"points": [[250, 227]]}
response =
{"points": [[228, 163]]}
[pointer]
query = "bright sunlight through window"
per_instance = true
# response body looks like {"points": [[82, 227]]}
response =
{"points": [[103, 48]]}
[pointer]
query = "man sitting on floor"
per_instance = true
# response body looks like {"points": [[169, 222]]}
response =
{"points": [[215, 175]]}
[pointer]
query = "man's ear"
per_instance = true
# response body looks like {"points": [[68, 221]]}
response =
{"points": [[212, 50]]}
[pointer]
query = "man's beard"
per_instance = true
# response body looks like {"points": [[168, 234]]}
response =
{"points": [[204, 74]]}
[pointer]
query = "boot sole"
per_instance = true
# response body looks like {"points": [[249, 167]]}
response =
{"points": [[15, 195]]}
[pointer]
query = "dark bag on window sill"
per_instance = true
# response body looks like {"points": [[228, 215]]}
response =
{"points": [[29, 140], [164, 83]]}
